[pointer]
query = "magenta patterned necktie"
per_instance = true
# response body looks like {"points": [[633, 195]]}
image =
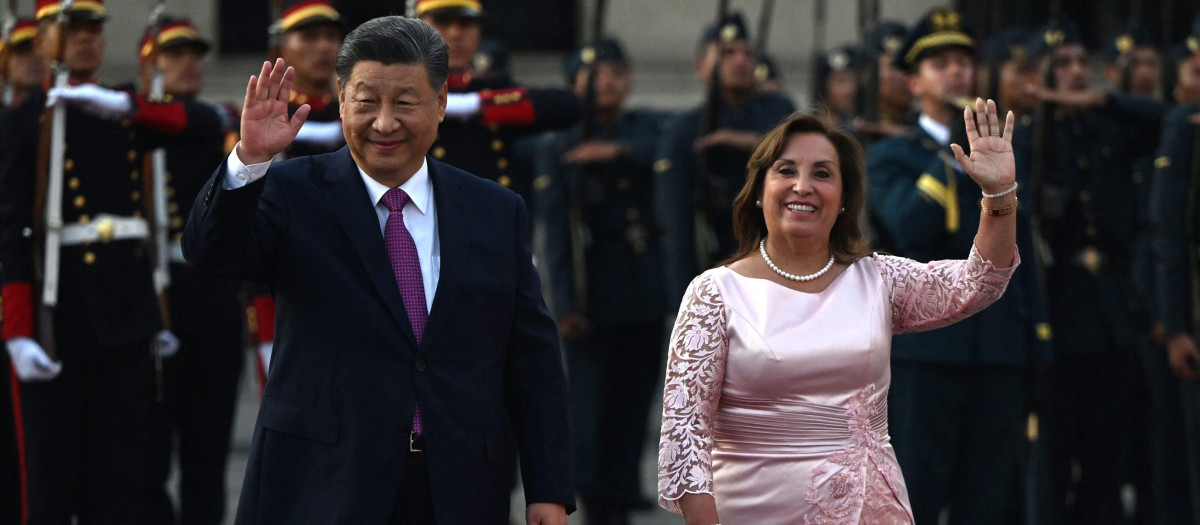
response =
{"points": [[407, 268]]}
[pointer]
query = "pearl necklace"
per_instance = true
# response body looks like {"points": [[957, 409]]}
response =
{"points": [[762, 248]]}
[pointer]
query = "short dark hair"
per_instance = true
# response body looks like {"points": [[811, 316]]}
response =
{"points": [[846, 241], [395, 40]]}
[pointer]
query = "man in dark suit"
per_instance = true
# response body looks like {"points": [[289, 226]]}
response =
{"points": [[410, 326]]}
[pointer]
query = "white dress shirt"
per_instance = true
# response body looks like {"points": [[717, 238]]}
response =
{"points": [[420, 212], [941, 133]]}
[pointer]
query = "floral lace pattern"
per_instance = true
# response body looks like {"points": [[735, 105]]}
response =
{"points": [[862, 477], [695, 372], [927, 296]]}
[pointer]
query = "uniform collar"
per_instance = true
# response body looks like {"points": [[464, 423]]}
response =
{"points": [[936, 130]]}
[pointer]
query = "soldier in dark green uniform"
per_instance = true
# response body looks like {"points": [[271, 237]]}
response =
{"points": [[201, 380], [87, 414], [837, 75], [957, 400], [594, 195], [1086, 199], [1175, 250], [694, 208], [487, 111]]}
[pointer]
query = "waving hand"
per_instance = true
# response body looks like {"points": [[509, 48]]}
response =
{"points": [[991, 163], [266, 128]]}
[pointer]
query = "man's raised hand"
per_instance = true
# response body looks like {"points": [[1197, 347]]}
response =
{"points": [[266, 128]]}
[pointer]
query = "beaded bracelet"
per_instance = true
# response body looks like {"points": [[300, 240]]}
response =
{"points": [[1001, 194], [995, 212]]}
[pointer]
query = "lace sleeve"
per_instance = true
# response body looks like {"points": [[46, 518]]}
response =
{"points": [[695, 373], [940, 293]]}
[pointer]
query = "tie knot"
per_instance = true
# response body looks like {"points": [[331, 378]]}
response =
{"points": [[395, 199]]}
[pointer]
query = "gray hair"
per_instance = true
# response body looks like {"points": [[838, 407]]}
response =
{"points": [[395, 40]]}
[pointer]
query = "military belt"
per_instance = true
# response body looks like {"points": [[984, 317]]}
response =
{"points": [[105, 228]]}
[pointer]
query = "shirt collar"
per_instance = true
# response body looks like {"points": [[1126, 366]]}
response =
{"points": [[418, 187], [940, 132]]}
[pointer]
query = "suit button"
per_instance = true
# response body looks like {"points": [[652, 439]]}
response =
{"points": [[420, 364]]}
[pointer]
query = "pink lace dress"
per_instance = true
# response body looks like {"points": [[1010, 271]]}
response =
{"points": [[776, 400]]}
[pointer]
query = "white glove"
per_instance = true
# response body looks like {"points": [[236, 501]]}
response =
{"points": [[462, 105], [264, 355], [166, 344], [30, 361], [101, 102], [321, 133]]}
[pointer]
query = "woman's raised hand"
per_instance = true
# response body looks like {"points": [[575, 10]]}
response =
{"points": [[266, 128], [991, 163]]}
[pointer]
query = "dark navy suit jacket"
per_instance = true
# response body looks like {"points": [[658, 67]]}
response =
{"points": [[330, 442]]}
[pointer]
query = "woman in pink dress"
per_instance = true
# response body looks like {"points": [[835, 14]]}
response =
{"points": [[775, 406]]}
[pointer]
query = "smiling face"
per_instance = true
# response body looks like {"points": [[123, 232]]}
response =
{"points": [[390, 115], [802, 190]]}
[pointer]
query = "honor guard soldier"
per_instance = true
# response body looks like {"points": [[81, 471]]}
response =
{"points": [[767, 75], [605, 274], [1088, 216], [893, 103], [487, 111], [1013, 71], [958, 393], [21, 70], [89, 369], [694, 196], [1176, 250], [201, 380], [307, 35]]}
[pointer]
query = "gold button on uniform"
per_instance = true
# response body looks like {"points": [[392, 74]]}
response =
{"points": [[89, 258], [502, 164], [170, 192], [177, 222], [136, 195], [505, 181], [173, 208], [439, 152], [85, 218], [73, 183], [1090, 230], [632, 214], [497, 145], [133, 175], [69, 164], [131, 155], [80, 201]]}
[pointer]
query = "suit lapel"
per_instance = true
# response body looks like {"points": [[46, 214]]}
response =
{"points": [[454, 241], [348, 196]]}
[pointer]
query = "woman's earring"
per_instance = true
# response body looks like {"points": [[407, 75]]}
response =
{"points": [[843, 210], [759, 203]]}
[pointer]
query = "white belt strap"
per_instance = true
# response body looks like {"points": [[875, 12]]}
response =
{"points": [[105, 228], [176, 253]]}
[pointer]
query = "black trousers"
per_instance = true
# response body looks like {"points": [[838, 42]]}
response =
{"points": [[613, 375], [957, 431], [10, 460], [1087, 425], [86, 436], [1158, 443], [200, 385], [414, 500]]}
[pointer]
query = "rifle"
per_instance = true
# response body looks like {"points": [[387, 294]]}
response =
{"points": [[868, 95], [275, 31], [710, 118], [1042, 154], [1167, 10], [818, 47], [580, 235], [154, 187], [764, 28], [10, 21], [48, 189]]}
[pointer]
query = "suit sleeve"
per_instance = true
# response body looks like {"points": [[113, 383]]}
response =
{"points": [[535, 384], [674, 188], [237, 233], [915, 206], [1168, 204]]}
